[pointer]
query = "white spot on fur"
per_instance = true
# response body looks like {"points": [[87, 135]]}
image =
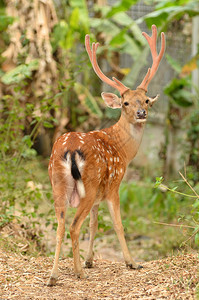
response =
{"points": [[82, 142]]}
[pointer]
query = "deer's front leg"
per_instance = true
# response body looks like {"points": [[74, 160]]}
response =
{"points": [[82, 212], [93, 228], [114, 208]]}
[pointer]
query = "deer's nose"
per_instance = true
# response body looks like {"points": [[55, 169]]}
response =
{"points": [[141, 114]]}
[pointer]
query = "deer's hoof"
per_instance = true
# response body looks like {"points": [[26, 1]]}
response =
{"points": [[82, 275], [88, 264], [134, 267], [52, 281]]}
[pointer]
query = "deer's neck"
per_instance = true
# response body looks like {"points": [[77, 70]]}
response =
{"points": [[127, 137]]}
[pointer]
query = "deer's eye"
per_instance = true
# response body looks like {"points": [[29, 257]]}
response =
{"points": [[147, 101], [126, 103]]}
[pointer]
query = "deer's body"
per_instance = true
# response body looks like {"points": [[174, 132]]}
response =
{"points": [[87, 168], [112, 149]]}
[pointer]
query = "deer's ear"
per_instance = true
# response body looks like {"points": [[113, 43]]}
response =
{"points": [[112, 100], [153, 100]]}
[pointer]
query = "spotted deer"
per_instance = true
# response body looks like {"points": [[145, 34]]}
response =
{"points": [[86, 168]]}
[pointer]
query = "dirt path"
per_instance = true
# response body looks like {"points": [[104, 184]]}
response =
{"points": [[23, 277]]}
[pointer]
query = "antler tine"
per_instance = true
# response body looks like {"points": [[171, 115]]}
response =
{"points": [[87, 45], [115, 83], [155, 56]]}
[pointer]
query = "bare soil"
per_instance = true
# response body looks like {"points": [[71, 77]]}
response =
{"points": [[25, 277]]}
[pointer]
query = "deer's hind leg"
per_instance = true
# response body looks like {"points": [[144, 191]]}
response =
{"points": [[93, 228], [61, 189], [81, 213]]}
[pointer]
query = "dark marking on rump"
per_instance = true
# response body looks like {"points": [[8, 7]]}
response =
{"points": [[62, 214], [74, 168]]}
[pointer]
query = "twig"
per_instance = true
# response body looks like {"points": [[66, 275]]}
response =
{"points": [[174, 225], [166, 187], [191, 236], [188, 184]]}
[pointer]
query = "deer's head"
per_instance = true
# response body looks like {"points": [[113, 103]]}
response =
{"points": [[134, 103]]}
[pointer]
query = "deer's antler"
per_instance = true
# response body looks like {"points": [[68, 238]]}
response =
{"points": [[156, 57], [115, 83]]}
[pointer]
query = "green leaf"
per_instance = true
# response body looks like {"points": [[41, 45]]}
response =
{"points": [[74, 19], [19, 73], [83, 11], [47, 124], [59, 34], [119, 38], [106, 26], [159, 180], [5, 21], [178, 92], [197, 239], [123, 5], [183, 98], [27, 140], [137, 33], [122, 19], [196, 204], [167, 13], [173, 189]]}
